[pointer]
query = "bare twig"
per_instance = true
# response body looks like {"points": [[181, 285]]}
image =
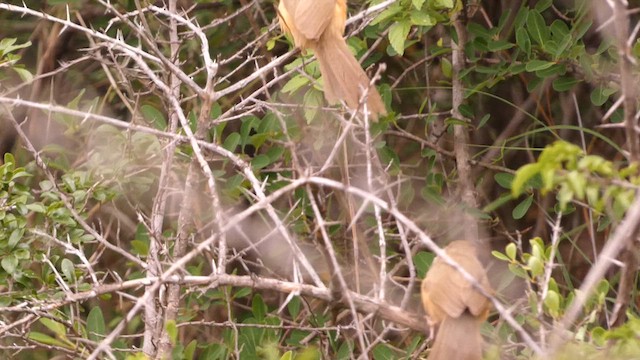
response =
{"points": [[460, 132]]}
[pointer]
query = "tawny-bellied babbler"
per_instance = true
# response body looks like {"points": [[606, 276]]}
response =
{"points": [[319, 25], [452, 302]]}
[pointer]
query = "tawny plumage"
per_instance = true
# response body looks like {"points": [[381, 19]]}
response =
{"points": [[453, 303], [319, 25]]}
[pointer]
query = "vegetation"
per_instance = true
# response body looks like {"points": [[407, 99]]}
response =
{"points": [[173, 184]]}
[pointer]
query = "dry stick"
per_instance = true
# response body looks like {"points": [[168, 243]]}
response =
{"points": [[460, 132], [153, 326], [592, 230], [70, 249], [173, 291], [382, 241], [154, 330], [623, 235], [548, 269], [346, 177], [363, 304], [337, 272], [629, 94], [384, 276], [627, 78], [24, 320]]}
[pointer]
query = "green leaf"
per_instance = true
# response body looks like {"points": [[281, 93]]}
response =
{"points": [[422, 18], [500, 45], [422, 261], [511, 251], [495, 204], [521, 209], [295, 83], [258, 307], [313, 101], [172, 331], [95, 324], [552, 302], [9, 263], [68, 269], [154, 116], [504, 179], [294, 307], [22, 254], [446, 66], [522, 176], [390, 12], [559, 30], [232, 141], [500, 256], [46, 339], [190, 350], [577, 183], [418, 3], [453, 121], [140, 247], [442, 4], [36, 207], [242, 292], [482, 32], [537, 65], [521, 17], [56, 327], [483, 121], [535, 266], [543, 5], [398, 33], [564, 83], [9, 161], [15, 237], [537, 27], [24, 74], [271, 43], [556, 69], [6, 46], [260, 162], [287, 356], [600, 95]]}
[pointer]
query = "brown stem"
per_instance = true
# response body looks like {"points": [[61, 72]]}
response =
{"points": [[154, 327], [629, 94], [460, 132]]}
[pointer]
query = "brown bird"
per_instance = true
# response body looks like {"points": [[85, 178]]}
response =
{"points": [[319, 25], [453, 303]]}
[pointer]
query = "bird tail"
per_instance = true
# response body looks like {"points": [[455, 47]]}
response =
{"points": [[343, 77], [458, 338]]}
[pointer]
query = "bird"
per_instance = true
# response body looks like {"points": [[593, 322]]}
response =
{"points": [[319, 25], [455, 305]]}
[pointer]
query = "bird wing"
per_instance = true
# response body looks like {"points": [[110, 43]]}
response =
{"points": [[448, 289], [444, 287], [311, 17]]}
